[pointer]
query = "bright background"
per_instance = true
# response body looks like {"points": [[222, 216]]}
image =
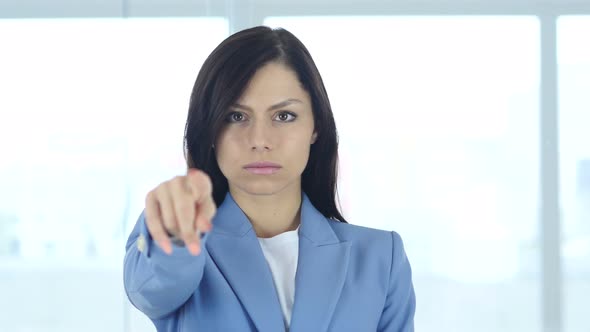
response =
{"points": [[463, 126]]}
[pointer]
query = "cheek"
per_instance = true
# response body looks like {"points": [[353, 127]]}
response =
{"points": [[299, 147]]}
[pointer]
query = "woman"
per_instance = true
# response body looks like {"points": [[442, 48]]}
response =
{"points": [[251, 238]]}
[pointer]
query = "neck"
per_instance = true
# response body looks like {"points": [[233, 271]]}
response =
{"points": [[270, 215]]}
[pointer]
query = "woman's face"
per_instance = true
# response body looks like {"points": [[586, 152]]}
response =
{"points": [[264, 145]]}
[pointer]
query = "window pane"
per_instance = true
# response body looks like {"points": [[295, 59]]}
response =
{"points": [[92, 116], [438, 119], [574, 120]]}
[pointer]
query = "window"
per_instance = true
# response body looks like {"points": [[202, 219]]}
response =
{"points": [[574, 119], [93, 113]]}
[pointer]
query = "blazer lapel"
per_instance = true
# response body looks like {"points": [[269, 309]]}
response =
{"points": [[321, 271], [235, 250]]}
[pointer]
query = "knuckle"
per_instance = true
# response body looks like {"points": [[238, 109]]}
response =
{"points": [[207, 184], [149, 197], [161, 191], [181, 185], [184, 207], [178, 180], [166, 186]]}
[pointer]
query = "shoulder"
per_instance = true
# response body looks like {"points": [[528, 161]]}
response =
{"points": [[350, 232], [366, 238], [378, 255]]}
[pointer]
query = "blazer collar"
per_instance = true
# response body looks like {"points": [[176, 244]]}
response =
{"points": [[321, 270]]}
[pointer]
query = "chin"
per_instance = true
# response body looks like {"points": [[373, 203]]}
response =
{"points": [[262, 187]]}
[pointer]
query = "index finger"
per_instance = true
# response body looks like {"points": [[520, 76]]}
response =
{"points": [[202, 188], [200, 185], [205, 214]]}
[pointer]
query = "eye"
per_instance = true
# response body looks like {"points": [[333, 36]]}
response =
{"points": [[286, 116], [235, 117]]}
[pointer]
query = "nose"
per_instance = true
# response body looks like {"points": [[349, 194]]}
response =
{"points": [[260, 136]]}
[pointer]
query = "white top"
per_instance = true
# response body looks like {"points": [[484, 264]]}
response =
{"points": [[281, 253]]}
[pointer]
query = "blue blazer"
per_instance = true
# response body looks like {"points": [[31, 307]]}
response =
{"points": [[349, 278]]}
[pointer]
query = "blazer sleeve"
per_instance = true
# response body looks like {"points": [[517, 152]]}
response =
{"points": [[400, 304], [156, 283]]}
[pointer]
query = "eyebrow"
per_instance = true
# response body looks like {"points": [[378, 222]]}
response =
{"points": [[273, 107]]}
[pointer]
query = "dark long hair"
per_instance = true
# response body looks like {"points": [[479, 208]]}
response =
{"points": [[222, 80]]}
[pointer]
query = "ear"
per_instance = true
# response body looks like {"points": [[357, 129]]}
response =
{"points": [[314, 137]]}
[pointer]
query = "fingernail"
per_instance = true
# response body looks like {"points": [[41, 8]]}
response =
{"points": [[194, 248], [166, 246], [205, 226]]}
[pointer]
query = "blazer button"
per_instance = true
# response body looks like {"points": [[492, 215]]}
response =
{"points": [[141, 243]]}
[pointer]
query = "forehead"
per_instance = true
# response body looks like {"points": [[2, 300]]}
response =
{"points": [[271, 83]]}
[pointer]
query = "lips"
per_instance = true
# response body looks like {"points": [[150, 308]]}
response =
{"points": [[262, 164], [262, 167]]}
